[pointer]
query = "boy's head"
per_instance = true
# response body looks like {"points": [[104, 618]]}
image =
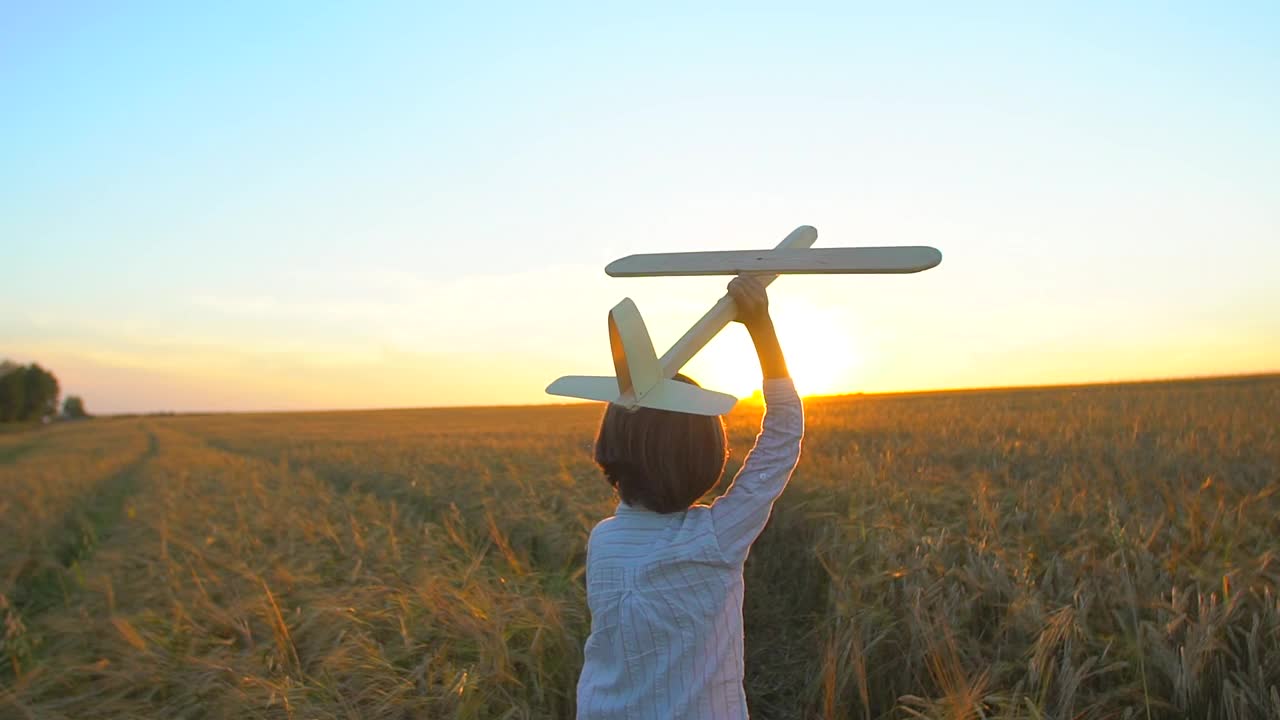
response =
{"points": [[661, 460]]}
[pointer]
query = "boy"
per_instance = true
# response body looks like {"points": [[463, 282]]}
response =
{"points": [[664, 574]]}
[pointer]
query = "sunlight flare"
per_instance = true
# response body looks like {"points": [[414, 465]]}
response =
{"points": [[820, 351]]}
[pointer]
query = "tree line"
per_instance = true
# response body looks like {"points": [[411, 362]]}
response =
{"points": [[29, 392]]}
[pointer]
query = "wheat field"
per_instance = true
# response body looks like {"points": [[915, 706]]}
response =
{"points": [[1086, 552]]}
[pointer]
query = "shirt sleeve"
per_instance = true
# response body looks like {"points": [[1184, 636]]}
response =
{"points": [[740, 514]]}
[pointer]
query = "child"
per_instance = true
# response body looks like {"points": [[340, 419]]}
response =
{"points": [[664, 575]]}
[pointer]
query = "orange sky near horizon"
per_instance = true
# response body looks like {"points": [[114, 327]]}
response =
{"points": [[831, 349]]}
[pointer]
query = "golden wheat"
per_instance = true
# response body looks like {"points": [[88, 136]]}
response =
{"points": [[1088, 552]]}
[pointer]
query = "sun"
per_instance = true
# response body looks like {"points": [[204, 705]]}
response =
{"points": [[818, 346]]}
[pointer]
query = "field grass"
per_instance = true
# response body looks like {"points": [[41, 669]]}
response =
{"points": [[1091, 552]]}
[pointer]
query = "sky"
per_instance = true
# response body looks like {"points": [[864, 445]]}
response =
{"points": [[249, 206]]}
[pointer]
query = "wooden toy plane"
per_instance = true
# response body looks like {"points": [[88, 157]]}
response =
{"points": [[645, 380]]}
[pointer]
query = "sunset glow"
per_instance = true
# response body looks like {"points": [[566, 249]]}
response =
{"points": [[820, 354]]}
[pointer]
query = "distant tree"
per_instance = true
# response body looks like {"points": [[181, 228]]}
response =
{"points": [[13, 393], [42, 393], [73, 407], [27, 393]]}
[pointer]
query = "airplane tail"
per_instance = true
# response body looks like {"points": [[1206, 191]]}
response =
{"points": [[640, 381]]}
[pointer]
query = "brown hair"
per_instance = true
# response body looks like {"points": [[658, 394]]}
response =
{"points": [[658, 459]]}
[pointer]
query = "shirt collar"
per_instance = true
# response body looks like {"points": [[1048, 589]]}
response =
{"points": [[639, 513], [642, 515]]}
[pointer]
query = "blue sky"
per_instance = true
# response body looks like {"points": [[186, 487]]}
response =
{"points": [[305, 206]]}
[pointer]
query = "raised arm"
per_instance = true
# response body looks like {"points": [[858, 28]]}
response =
{"points": [[741, 513]]}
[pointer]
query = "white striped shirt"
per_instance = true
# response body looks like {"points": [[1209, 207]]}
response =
{"points": [[665, 590]]}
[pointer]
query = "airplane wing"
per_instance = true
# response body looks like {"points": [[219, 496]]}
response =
{"points": [[903, 259]]}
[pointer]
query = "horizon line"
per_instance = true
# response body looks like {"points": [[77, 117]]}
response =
{"points": [[1258, 375]]}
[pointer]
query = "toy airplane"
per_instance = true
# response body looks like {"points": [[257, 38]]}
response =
{"points": [[645, 380]]}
